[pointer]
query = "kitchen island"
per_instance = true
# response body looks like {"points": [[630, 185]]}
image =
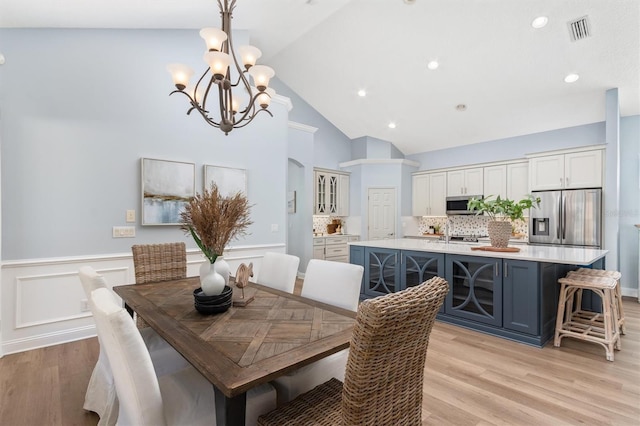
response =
{"points": [[508, 294]]}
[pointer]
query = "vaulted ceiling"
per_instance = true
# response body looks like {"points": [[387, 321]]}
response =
{"points": [[509, 75]]}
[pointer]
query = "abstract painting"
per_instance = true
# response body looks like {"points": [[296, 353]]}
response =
{"points": [[166, 187], [229, 180]]}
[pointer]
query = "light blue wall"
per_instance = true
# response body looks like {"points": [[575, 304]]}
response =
{"points": [[81, 107], [300, 235], [359, 148], [331, 146], [629, 199], [512, 148]]}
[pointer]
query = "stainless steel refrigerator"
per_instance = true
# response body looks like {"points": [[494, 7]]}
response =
{"points": [[570, 217]]}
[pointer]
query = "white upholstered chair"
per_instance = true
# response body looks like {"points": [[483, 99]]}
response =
{"points": [[101, 392], [183, 397], [279, 271], [333, 283]]}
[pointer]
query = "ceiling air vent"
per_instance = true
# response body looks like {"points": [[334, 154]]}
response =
{"points": [[579, 28]]}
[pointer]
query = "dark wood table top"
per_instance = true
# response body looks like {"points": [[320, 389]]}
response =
{"points": [[245, 346]]}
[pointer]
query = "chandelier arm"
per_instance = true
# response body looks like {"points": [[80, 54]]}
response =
{"points": [[252, 117], [194, 106], [203, 104]]}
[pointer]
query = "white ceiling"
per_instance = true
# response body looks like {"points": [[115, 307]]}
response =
{"points": [[508, 74]]}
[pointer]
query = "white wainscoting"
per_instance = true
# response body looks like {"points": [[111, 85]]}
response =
{"points": [[42, 299]]}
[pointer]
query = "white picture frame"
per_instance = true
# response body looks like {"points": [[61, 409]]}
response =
{"points": [[166, 187], [229, 180]]}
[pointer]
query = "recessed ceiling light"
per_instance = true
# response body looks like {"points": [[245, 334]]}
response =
{"points": [[539, 22], [432, 65], [362, 93], [461, 107], [409, 1], [392, 125], [571, 78]]}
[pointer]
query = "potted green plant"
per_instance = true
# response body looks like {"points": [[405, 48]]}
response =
{"points": [[502, 212]]}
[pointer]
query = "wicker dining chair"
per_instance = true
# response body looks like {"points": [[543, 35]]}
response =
{"points": [[385, 370], [158, 262]]}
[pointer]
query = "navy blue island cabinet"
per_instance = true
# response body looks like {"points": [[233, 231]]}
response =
{"points": [[513, 299]]}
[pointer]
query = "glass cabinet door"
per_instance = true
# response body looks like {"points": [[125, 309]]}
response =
{"points": [[321, 185], [418, 267], [381, 271], [475, 288]]}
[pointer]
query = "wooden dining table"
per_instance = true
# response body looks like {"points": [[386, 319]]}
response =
{"points": [[246, 346]]}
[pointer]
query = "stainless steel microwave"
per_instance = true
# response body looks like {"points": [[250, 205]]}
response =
{"points": [[458, 204]]}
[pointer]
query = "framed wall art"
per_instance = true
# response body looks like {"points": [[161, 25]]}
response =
{"points": [[291, 202], [229, 180], [166, 187]]}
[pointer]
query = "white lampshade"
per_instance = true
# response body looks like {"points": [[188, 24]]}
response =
{"points": [[235, 104], [249, 55], [197, 96], [261, 75], [214, 38], [264, 97], [180, 74], [218, 63]]}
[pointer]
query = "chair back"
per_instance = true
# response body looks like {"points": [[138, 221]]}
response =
{"points": [[334, 283], [136, 382], [159, 262], [279, 271], [385, 369]]}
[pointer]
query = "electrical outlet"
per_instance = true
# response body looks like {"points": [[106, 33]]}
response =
{"points": [[131, 216], [84, 305], [124, 231], [274, 227]]}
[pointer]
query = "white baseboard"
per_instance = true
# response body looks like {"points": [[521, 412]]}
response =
{"points": [[49, 339]]}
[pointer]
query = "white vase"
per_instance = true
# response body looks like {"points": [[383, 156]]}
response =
{"points": [[211, 282], [222, 267]]}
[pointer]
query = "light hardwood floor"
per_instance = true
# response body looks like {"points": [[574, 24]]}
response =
{"points": [[470, 379]]}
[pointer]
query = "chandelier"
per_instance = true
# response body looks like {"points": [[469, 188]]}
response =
{"points": [[213, 95]]}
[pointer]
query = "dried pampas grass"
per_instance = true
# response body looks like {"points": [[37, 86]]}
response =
{"points": [[214, 220]]}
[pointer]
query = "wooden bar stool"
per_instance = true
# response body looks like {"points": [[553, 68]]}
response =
{"points": [[573, 321], [618, 294]]}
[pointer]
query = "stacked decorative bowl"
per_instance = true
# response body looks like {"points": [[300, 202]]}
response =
{"points": [[212, 304]]}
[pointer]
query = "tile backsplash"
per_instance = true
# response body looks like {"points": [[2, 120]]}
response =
{"points": [[468, 225], [320, 223]]}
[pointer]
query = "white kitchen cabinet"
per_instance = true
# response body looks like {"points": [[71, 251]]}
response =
{"points": [[495, 181], [318, 248], [429, 194], [581, 169], [517, 181], [328, 199], [343, 195], [334, 248], [465, 182]]}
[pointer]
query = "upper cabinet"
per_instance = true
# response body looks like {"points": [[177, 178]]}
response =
{"points": [[517, 180], [331, 193], [509, 180], [495, 181], [429, 194], [582, 169], [465, 182]]}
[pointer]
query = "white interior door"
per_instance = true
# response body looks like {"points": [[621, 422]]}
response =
{"points": [[382, 213]]}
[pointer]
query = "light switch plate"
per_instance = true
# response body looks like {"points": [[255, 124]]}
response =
{"points": [[131, 216]]}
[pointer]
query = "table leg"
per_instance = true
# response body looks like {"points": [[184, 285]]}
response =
{"points": [[230, 411]]}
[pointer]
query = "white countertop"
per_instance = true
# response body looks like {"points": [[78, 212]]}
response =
{"points": [[535, 253]]}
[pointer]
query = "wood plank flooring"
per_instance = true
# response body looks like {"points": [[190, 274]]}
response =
{"points": [[470, 379]]}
